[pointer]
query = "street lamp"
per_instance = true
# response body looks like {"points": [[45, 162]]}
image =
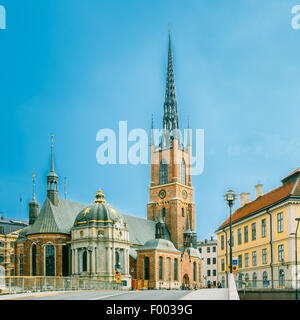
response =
{"points": [[296, 264], [230, 197]]}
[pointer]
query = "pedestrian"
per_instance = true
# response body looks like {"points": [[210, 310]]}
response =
{"points": [[219, 285]]}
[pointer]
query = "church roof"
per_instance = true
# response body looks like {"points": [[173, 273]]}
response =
{"points": [[159, 244], [56, 219], [61, 218]]}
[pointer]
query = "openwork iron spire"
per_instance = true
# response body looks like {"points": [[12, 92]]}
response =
{"points": [[170, 120]]}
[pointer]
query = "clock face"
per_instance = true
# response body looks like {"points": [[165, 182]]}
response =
{"points": [[184, 194], [162, 194]]}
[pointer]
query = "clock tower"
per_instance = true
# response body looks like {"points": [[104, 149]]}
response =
{"points": [[170, 191]]}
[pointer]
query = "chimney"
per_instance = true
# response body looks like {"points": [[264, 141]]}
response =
{"points": [[244, 198], [258, 190]]}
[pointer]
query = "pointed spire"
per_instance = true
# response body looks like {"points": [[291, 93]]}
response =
{"points": [[188, 142], [170, 120], [65, 183], [33, 186], [152, 143], [187, 226], [52, 160]]}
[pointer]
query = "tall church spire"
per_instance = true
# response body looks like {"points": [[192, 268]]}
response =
{"points": [[170, 119]]}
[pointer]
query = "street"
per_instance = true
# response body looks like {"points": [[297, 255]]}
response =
{"points": [[203, 294]]}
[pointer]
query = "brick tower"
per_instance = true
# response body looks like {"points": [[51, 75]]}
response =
{"points": [[170, 191]]}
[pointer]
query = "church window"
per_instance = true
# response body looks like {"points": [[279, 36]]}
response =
{"points": [[175, 270], [182, 212], [160, 261], [163, 176], [84, 261], [21, 264], [194, 271], [33, 260], [182, 172], [146, 269], [50, 260], [164, 212]]}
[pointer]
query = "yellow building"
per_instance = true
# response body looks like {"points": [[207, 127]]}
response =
{"points": [[262, 237]]}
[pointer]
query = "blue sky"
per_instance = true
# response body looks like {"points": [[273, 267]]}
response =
{"points": [[72, 67]]}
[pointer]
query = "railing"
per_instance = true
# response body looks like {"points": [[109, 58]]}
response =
{"points": [[39, 284], [251, 285]]}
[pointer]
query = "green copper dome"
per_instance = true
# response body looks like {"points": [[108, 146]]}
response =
{"points": [[98, 213]]}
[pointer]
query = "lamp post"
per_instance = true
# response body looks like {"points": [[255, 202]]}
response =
{"points": [[230, 197], [296, 263]]}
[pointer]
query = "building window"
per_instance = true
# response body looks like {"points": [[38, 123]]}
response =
{"points": [[182, 212], [214, 272], [1, 258], [164, 212], [160, 267], [263, 228], [33, 260], [265, 279], [253, 231], [280, 252], [254, 280], [163, 173], [214, 260], [264, 256], [254, 258], [146, 269], [208, 260], [175, 270], [21, 264], [222, 242], [200, 250], [50, 260], [239, 236], [12, 244], [246, 234], [84, 261], [208, 273], [194, 271], [247, 277], [208, 249], [280, 222], [1, 230], [240, 280], [12, 258], [281, 278], [246, 260], [214, 249], [182, 172], [223, 282], [1, 244], [222, 265], [240, 263]]}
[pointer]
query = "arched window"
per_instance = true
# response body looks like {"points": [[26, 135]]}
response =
{"points": [[254, 280], [163, 172], [194, 271], [33, 260], [160, 268], [84, 261], [182, 172], [182, 212], [281, 278], [175, 270], [146, 269], [50, 260]]}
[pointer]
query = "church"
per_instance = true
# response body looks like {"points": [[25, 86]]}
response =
{"points": [[65, 238]]}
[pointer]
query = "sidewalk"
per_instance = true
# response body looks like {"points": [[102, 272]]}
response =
{"points": [[33, 294], [207, 294]]}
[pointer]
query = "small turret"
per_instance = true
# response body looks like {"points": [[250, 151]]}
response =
{"points": [[188, 234], [160, 228], [52, 180], [33, 204]]}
